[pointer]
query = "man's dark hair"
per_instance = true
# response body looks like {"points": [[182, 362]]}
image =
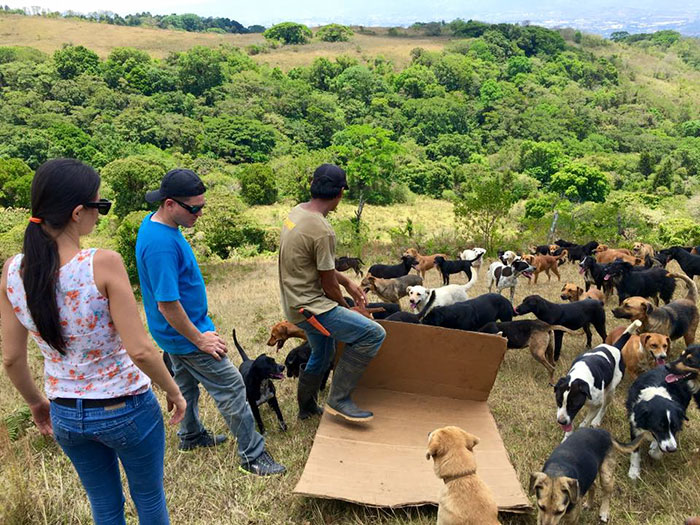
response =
{"points": [[329, 180], [325, 193]]}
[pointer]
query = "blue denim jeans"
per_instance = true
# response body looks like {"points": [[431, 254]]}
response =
{"points": [[96, 439], [225, 384], [355, 330]]}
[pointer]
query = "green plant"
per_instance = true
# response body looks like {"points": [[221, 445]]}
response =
{"points": [[334, 33], [126, 242], [289, 33], [258, 184]]}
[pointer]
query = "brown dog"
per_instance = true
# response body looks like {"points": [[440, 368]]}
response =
{"points": [[642, 352], [283, 331], [547, 263], [528, 258], [641, 250], [676, 319], [572, 293], [423, 262], [608, 256], [465, 499]]}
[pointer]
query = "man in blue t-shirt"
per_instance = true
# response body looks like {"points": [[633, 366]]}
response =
{"points": [[175, 300]]}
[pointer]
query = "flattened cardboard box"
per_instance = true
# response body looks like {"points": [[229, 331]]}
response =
{"points": [[423, 378]]}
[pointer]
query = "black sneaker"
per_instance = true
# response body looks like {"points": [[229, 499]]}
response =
{"points": [[263, 465], [205, 439]]}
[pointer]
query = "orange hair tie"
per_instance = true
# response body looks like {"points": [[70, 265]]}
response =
{"points": [[36, 220]]}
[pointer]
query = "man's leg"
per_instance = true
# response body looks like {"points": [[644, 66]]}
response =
{"points": [[311, 375], [362, 337]]}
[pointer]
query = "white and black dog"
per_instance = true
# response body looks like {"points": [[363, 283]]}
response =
{"points": [[657, 402], [419, 296], [471, 254], [506, 275], [591, 382]]}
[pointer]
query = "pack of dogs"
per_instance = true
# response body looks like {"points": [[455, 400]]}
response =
{"points": [[657, 399]]}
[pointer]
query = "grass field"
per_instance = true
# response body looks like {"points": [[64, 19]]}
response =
{"points": [[38, 484], [49, 34]]}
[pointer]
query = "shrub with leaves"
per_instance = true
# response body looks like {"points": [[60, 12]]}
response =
{"points": [[289, 33], [334, 33], [258, 184]]}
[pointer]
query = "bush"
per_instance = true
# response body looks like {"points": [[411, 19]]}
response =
{"points": [[15, 183], [334, 33], [72, 61], [126, 242], [289, 33], [679, 231], [258, 184]]}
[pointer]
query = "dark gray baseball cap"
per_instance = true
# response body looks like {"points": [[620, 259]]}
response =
{"points": [[179, 182], [329, 178]]}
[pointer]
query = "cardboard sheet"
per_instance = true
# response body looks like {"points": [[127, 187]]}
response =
{"points": [[423, 378]]}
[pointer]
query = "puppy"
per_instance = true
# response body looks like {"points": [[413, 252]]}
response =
{"points": [[476, 254], [676, 319], [419, 296], [547, 263], [464, 499], [257, 377], [390, 271], [642, 352], [471, 314], [657, 402], [532, 334], [282, 331], [591, 382], [506, 276], [572, 293], [572, 315], [422, 263], [296, 361], [390, 290], [570, 473]]}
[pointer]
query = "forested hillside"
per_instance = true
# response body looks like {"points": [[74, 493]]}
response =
{"points": [[511, 124]]}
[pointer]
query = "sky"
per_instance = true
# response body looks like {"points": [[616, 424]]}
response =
{"points": [[370, 12]]}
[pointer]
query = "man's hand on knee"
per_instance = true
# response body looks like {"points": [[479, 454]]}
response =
{"points": [[211, 343]]}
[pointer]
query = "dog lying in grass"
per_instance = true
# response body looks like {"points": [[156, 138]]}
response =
{"points": [[464, 499], [570, 473]]}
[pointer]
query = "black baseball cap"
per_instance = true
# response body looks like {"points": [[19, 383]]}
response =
{"points": [[179, 182], [328, 179]]}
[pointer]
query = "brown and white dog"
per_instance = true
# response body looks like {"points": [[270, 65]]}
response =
{"points": [[642, 352], [572, 293], [282, 331], [676, 319], [423, 262], [465, 499]]}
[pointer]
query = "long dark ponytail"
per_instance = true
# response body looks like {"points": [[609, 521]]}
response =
{"points": [[58, 187]]}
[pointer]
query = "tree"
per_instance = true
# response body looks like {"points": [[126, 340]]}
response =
{"points": [[647, 163], [334, 33], [541, 159], [619, 36], [15, 183], [131, 178], [238, 139], [579, 183], [200, 69], [289, 33], [487, 202], [71, 61], [416, 81], [258, 184], [368, 156]]}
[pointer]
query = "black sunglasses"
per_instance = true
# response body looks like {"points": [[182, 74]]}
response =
{"points": [[103, 206], [194, 210]]}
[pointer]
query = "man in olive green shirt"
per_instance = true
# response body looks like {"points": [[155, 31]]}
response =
{"points": [[309, 281]]}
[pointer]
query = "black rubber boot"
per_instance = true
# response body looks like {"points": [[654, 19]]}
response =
{"points": [[347, 373], [307, 394]]}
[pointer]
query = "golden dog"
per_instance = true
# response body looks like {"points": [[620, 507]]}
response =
{"points": [[642, 352], [572, 293], [423, 262]]}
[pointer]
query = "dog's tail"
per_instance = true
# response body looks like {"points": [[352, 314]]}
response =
{"points": [[692, 287], [633, 445], [244, 356], [427, 306], [622, 340], [472, 281], [560, 328]]}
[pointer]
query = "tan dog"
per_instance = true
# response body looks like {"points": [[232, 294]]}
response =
{"points": [[641, 250], [423, 262], [283, 331], [676, 319], [465, 499], [390, 290], [608, 256], [528, 258], [572, 293], [553, 248], [604, 247], [547, 263], [642, 352]]}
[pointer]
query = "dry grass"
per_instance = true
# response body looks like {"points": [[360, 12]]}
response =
{"points": [[38, 484], [48, 34]]}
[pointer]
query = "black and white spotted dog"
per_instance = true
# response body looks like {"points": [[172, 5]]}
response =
{"points": [[506, 275], [657, 402], [591, 382]]}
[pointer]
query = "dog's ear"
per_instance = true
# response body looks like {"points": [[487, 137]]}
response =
{"points": [[408, 289], [649, 307], [563, 288], [570, 486], [585, 389], [668, 343], [561, 383], [435, 445], [579, 290], [537, 480], [644, 338], [470, 440]]}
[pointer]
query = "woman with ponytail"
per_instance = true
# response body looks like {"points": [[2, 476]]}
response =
{"points": [[79, 308]]}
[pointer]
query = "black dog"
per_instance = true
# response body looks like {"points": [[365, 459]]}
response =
{"points": [[404, 317], [576, 252], [594, 274], [389, 308], [448, 268], [390, 271], [657, 402], [343, 264], [471, 314], [257, 376], [690, 264], [573, 316], [296, 360], [650, 283], [542, 249]]}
